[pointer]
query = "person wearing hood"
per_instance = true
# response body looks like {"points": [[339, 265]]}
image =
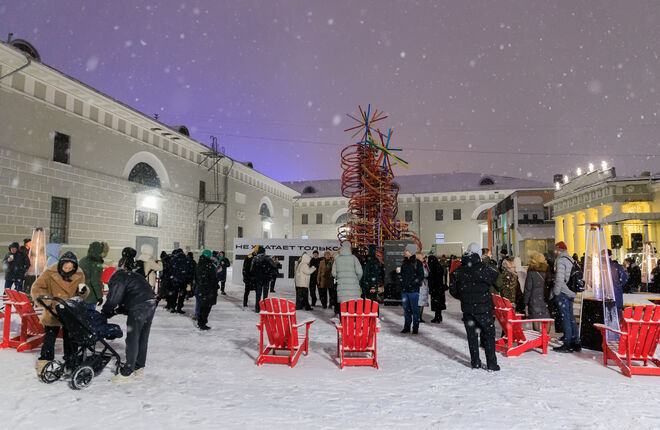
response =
{"points": [[63, 280], [437, 287], [634, 276], [470, 283], [325, 280], [411, 276], [564, 298], [147, 266], [15, 264], [347, 272], [373, 275], [92, 267], [534, 295], [206, 278], [53, 251], [301, 279], [261, 272], [130, 293], [127, 260]]}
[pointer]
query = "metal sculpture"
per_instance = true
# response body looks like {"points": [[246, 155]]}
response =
{"points": [[368, 183]]}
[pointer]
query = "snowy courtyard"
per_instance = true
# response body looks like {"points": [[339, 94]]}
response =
{"points": [[208, 379]]}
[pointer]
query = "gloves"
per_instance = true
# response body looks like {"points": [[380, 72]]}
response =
{"points": [[82, 288], [100, 302]]}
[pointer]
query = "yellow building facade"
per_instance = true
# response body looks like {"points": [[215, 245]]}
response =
{"points": [[627, 207]]}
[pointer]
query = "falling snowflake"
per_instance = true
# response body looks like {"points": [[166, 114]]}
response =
{"points": [[336, 120], [331, 21], [92, 63], [403, 54]]}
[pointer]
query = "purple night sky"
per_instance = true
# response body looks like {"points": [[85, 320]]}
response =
{"points": [[523, 88]]}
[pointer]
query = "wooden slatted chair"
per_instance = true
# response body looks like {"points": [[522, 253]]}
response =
{"points": [[638, 341], [356, 333], [278, 320], [516, 340], [32, 332]]}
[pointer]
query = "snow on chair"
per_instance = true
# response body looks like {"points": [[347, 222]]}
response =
{"points": [[515, 340], [32, 332], [638, 341], [278, 320], [356, 333]]}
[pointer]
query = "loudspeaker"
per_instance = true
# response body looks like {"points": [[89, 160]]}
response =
{"points": [[636, 240], [617, 241]]}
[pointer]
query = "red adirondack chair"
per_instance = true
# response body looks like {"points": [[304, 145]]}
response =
{"points": [[32, 332], [278, 320], [638, 341], [515, 340], [356, 333]]}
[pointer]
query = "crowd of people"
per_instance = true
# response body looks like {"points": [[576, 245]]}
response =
{"points": [[139, 283]]}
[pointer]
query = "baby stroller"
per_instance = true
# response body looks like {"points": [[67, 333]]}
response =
{"points": [[85, 331]]}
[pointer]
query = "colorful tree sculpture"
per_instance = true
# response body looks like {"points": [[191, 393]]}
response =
{"points": [[368, 183]]}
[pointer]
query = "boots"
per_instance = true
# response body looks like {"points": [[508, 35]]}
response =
{"points": [[40, 366]]}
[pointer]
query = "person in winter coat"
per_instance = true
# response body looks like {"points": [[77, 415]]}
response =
{"points": [[15, 264], [223, 265], [534, 295], [314, 262], [261, 272], [347, 272], [147, 266], [130, 293], [470, 284], [301, 280], [324, 278], [507, 284], [411, 276], [619, 279], [437, 287], [53, 251], [165, 289], [247, 277], [206, 280], [63, 280], [372, 277], [564, 299], [276, 274], [634, 276], [180, 274], [423, 288], [127, 260], [487, 258], [92, 267]]}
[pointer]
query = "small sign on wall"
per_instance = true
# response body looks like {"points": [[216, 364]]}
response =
{"points": [[439, 238]]}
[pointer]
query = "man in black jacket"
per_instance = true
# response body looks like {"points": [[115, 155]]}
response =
{"points": [[261, 272], [207, 288], [247, 277], [470, 284], [15, 263], [130, 293], [412, 276], [180, 275], [313, 279]]}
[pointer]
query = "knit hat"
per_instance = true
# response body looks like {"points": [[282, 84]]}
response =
{"points": [[411, 248], [206, 253], [561, 246], [473, 248]]}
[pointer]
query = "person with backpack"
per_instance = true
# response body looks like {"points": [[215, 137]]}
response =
{"points": [[261, 272], [564, 297]]}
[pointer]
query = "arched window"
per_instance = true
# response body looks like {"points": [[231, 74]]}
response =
{"points": [[343, 218], [486, 181], [264, 211], [309, 190], [144, 174]]}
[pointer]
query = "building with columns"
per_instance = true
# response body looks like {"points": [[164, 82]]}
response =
{"points": [[628, 208], [87, 167], [439, 208]]}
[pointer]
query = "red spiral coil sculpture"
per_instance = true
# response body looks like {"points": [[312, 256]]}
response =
{"points": [[368, 183]]}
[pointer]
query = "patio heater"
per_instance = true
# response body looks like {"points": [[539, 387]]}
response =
{"points": [[38, 256], [598, 277], [649, 262]]}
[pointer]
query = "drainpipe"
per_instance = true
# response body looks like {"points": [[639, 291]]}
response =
{"points": [[226, 201], [29, 61]]}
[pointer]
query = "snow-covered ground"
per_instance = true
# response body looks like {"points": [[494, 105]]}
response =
{"points": [[209, 380]]}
